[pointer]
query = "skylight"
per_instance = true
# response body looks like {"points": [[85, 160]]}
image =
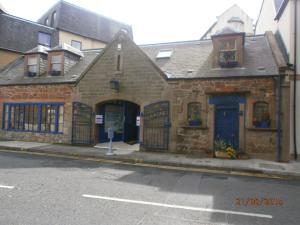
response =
{"points": [[164, 54]]}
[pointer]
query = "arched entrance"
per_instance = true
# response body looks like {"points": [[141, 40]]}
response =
{"points": [[121, 117]]}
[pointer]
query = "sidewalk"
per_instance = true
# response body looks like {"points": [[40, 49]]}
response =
{"points": [[128, 155]]}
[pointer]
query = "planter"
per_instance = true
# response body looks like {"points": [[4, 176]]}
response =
{"points": [[195, 123], [221, 154]]}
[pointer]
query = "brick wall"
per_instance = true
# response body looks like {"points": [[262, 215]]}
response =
{"points": [[38, 93]]}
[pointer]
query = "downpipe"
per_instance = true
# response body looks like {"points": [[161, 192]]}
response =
{"points": [[278, 117], [295, 86]]}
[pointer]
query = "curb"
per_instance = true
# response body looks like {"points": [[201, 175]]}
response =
{"points": [[140, 162]]}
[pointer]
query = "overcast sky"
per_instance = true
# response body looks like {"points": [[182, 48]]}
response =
{"points": [[153, 21]]}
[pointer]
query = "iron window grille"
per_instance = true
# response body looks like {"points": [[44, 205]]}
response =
{"points": [[33, 117]]}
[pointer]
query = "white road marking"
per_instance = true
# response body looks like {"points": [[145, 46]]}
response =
{"points": [[180, 206], [8, 187]]}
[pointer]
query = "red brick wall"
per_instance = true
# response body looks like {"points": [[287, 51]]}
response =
{"points": [[39, 93]]}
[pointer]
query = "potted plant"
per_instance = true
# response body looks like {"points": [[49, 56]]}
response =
{"points": [[265, 123], [224, 150], [195, 121]]}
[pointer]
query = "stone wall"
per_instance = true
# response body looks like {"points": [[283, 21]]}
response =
{"points": [[200, 90], [38, 93], [261, 143], [140, 82]]}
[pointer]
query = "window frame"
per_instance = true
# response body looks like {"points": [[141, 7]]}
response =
{"points": [[53, 18], [56, 73], [9, 107], [44, 33], [46, 21], [28, 64], [254, 105], [229, 63], [72, 41], [190, 121]]}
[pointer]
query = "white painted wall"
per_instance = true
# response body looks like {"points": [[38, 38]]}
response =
{"points": [[266, 20], [234, 11], [285, 26]]}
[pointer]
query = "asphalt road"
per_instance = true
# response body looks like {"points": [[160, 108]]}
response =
{"points": [[38, 190]]}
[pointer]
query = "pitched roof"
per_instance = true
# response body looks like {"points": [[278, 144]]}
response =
{"points": [[279, 7], [14, 30], [277, 4], [193, 59], [13, 74], [2, 9], [83, 22], [66, 47], [39, 49]]}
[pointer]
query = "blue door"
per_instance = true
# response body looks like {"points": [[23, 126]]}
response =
{"points": [[227, 124]]}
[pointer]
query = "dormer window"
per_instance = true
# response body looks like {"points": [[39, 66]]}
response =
{"points": [[44, 39], [32, 66], [228, 48], [62, 58], [56, 65], [46, 22], [228, 53]]}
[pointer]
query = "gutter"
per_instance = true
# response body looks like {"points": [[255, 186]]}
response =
{"points": [[278, 118], [295, 86]]}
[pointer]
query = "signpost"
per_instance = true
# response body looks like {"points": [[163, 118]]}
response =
{"points": [[110, 135]]}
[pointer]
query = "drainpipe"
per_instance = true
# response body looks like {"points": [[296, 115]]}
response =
{"points": [[278, 117], [295, 86]]}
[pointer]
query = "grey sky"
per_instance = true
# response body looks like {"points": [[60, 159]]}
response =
{"points": [[153, 21]]}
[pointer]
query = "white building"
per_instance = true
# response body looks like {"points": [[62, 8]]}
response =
{"points": [[283, 19], [235, 18]]}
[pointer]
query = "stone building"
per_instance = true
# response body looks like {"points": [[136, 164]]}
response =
{"points": [[177, 97], [62, 23]]}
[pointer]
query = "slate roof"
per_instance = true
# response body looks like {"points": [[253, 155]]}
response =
{"points": [[280, 7], [277, 4], [39, 49], [83, 22], [68, 48], [193, 59], [13, 30], [13, 74]]}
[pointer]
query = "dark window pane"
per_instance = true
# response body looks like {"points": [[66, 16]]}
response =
{"points": [[194, 114], [76, 44], [261, 116], [44, 39]]}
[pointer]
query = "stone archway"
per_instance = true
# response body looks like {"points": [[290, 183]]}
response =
{"points": [[120, 115]]}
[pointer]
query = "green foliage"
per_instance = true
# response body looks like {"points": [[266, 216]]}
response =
{"points": [[220, 145]]}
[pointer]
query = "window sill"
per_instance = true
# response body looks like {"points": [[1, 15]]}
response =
{"points": [[194, 127], [261, 129]]}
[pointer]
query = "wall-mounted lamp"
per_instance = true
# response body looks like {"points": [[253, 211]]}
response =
{"points": [[114, 84]]}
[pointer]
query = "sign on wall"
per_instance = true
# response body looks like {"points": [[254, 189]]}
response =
{"points": [[138, 121], [99, 119]]}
